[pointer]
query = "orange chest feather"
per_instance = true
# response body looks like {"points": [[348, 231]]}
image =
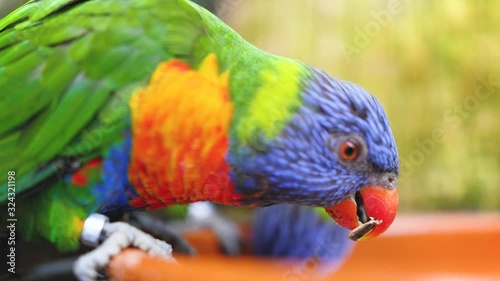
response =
{"points": [[180, 124]]}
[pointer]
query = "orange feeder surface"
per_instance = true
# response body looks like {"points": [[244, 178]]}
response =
{"points": [[420, 247]]}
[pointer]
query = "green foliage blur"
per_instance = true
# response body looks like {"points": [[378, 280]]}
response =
{"points": [[434, 65]]}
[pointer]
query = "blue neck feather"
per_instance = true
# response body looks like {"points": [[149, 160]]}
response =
{"points": [[115, 191]]}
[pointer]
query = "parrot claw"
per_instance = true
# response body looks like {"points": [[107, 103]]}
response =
{"points": [[161, 230], [115, 237]]}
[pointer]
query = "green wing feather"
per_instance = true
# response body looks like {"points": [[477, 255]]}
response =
{"points": [[67, 69]]}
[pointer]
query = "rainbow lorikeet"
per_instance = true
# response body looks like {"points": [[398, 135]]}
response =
{"points": [[109, 106]]}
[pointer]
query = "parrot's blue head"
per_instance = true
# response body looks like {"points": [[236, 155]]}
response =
{"points": [[337, 152]]}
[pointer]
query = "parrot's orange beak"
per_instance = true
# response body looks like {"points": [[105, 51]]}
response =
{"points": [[369, 213]]}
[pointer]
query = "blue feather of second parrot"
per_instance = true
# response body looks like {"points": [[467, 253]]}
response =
{"points": [[299, 232]]}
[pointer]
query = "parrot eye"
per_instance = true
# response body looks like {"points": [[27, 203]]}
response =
{"points": [[349, 150]]}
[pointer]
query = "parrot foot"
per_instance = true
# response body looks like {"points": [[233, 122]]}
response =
{"points": [[159, 229], [115, 237]]}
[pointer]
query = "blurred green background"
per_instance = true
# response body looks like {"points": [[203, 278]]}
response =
{"points": [[435, 66]]}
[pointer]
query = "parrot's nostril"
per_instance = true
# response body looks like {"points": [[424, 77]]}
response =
{"points": [[391, 180], [391, 177]]}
